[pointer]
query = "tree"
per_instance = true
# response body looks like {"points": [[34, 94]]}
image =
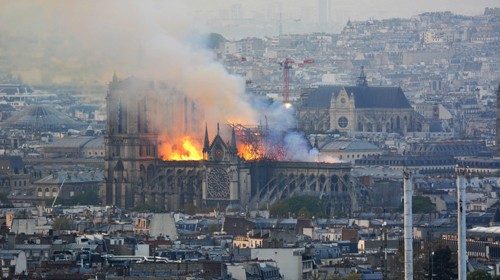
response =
{"points": [[62, 223], [86, 197], [335, 277], [304, 206], [351, 276], [421, 204], [213, 228], [4, 200], [148, 208], [479, 275], [444, 264]]}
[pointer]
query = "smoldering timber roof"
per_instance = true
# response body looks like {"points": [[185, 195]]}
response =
{"points": [[41, 118], [364, 97]]}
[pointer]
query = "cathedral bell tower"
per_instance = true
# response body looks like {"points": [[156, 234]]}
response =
{"points": [[131, 141]]}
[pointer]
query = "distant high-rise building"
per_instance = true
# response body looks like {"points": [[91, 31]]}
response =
{"points": [[323, 12], [236, 11]]}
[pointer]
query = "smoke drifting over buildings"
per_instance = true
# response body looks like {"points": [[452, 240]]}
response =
{"points": [[150, 40]]}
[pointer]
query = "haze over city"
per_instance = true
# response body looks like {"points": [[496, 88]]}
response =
{"points": [[235, 140]]}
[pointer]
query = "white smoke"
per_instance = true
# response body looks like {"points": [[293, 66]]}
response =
{"points": [[85, 42]]}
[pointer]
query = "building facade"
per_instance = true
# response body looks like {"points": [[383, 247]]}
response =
{"points": [[358, 109]]}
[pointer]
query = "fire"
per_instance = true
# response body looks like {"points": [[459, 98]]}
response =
{"points": [[188, 150], [249, 152]]}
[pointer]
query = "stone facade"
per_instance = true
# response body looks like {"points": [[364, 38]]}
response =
{"points": [[358, 109]]}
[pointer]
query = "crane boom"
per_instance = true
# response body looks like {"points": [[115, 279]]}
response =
{"points": [[58, 191]]}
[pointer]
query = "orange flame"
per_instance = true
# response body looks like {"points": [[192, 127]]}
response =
{"points": [[250, 152], [188, 150]]}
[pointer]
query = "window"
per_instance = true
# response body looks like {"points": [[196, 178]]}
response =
{"points": [[343, 122]]}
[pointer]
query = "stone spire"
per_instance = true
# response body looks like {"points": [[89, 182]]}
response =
{"points": [[233, 148], [115, 78], [361, 81], [206, 142]]}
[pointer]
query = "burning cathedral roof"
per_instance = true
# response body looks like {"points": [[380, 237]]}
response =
{"points": [[41, 118]]}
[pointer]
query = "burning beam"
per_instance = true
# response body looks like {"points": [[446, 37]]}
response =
{"points": [[183, 149]]}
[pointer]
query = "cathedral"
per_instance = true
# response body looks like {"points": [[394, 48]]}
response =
{"points": [[358, 109], [135, 175]]}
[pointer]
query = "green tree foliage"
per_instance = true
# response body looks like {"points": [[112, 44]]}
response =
{"points": [[62, 223], [86, 197], [480, 275], [4, 200], [352, 276], [148, 208], [299, 206], [444, 264], [213, 228], [421, 205]]}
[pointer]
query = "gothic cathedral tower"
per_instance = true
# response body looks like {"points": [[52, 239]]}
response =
{"points": [[131, 141]]}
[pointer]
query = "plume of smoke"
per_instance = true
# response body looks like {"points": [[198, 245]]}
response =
{"points": [[283, 132], [298, 148], [86, 41], [152, 40]]}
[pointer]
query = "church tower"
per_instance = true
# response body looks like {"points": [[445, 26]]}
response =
{"points": [[131, 141]]}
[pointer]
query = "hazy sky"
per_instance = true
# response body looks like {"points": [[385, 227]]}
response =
{"points": [[363, 8], [303, 16], [60, 41]]}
